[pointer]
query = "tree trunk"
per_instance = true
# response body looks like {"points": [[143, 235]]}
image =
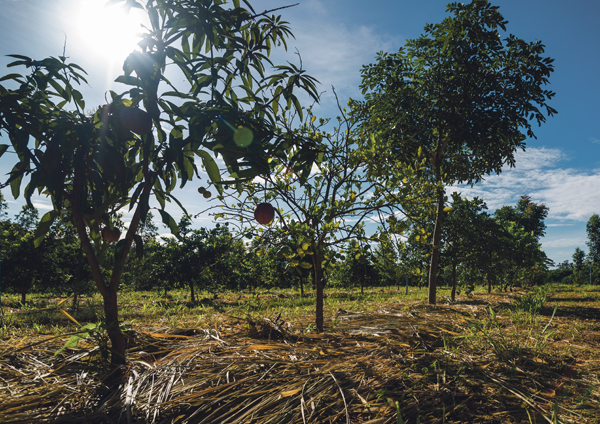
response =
{"points": [[108, 292], [192, 295], [317, 262], [77, 280], [116, 336], [301, 286], [453, 293], [489, 278], [435, 250]]}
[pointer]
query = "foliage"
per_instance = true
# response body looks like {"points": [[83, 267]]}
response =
{"points": [[319, 210], [93, 165], [385, 262], [521, 255], [464, 236], [355, 267], [578, 262], [455, 104], [593, 232], [528, 215], [52, 267]]}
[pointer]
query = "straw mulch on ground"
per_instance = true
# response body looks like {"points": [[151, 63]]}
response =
{"points": [[364, 369]]}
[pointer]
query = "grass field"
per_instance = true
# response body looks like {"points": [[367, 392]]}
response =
{"points": [[528, 356]]}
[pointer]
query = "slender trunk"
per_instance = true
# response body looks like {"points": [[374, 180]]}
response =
{"points": [[108, 291], [301, 286], [317, 262], [192, 295], [362, 283], [77, 279], [117, 338], [453, 293], [489, 278], [435, 248], [23, 297]]}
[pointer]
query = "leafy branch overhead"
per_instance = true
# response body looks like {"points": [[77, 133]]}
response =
{"points": [[145, 141]]}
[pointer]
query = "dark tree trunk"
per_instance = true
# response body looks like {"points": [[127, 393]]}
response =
{"points": [[453, 293], [108, 291], [319, 289], [362, 282], [77, 280], [489, 279], [192, 295], [301, 286], [116, 336], [435, 251]]}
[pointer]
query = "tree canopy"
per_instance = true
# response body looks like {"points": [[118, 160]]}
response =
{"points": [[145, 141], [456, 103]]}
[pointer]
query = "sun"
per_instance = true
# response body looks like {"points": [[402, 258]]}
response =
{"points": [[107, 32]]}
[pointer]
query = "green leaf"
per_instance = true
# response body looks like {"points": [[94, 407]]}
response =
{"points": [[43, 227], [211, 168], [139, 246], [119, 249], [169, 222], [15, 186], [15, 77], [128, 80]]}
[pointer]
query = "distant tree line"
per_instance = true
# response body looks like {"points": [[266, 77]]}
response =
{"points": [[478, 248], [585, 268]]}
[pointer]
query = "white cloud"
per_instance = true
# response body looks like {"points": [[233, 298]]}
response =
{"points": [[594, 140], [571, 194], [43, 206], [564, 242]]}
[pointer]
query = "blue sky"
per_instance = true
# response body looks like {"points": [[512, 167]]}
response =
{"points": [[335, 38]]}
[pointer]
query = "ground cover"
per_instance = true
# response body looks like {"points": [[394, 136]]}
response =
{"points": [[518, 357]]}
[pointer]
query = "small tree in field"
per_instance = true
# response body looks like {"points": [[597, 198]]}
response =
{"points": [[455, 104], [319, 209], [464, 235], [96, 165]]}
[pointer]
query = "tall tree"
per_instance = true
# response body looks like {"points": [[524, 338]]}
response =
{"points": [[96, 165], [522, 226], [457, 101], [593, 232], [578, 260]]}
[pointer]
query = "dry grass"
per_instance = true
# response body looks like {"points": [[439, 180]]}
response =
{"points": [[429, 362]]}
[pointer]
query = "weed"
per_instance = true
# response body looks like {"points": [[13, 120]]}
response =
{"points": [[399, 419], [534, 301], [508, 347]]}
